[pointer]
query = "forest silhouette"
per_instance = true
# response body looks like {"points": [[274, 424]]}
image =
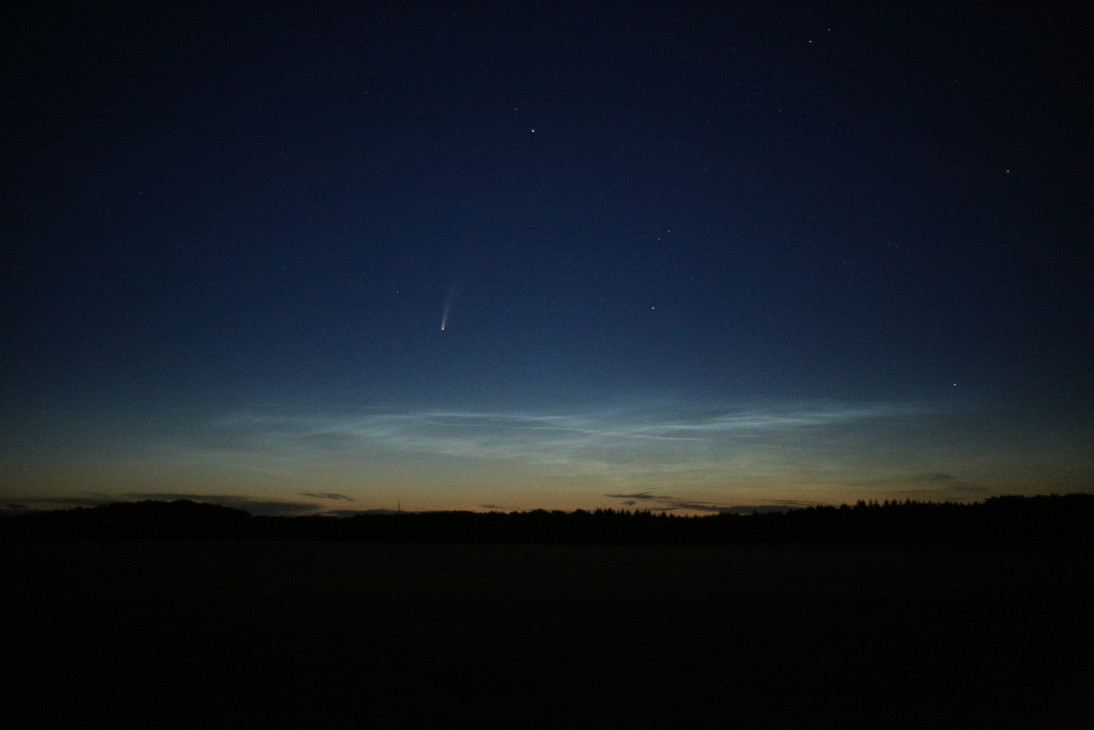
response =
{"points": [[876, 615], [1060, 519]]}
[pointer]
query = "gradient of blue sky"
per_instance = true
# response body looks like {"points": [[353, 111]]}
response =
{"points": [[688, 255]]}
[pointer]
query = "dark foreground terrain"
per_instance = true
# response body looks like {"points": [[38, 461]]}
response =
{"points": [[265, 633]]}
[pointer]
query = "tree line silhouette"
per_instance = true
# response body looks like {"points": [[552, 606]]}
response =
{"points": [[1054, 518]]}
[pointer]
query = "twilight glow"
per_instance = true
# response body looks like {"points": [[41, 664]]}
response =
{"points": [[706, 258]]}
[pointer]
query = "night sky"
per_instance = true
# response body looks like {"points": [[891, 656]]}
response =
{"points": [[329, 257]]}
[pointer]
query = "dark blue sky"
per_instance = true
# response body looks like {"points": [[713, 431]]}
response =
{"points": [[692, 255]]}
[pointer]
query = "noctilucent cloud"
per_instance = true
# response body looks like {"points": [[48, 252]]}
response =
{"points": [[688, 257]]}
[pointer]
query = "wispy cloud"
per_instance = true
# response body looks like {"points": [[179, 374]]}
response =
{"points": [[546, 436], [713, 458]]}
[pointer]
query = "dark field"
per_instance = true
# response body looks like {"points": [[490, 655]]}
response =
{"points": [[323, 634]]}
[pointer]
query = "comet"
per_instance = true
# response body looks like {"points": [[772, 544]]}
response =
{"points": [[447, 307]]}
